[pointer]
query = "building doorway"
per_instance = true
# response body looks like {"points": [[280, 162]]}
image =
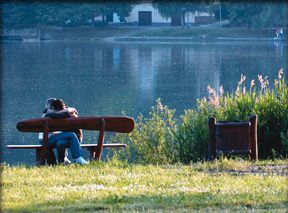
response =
{"points": [[145, 18]]}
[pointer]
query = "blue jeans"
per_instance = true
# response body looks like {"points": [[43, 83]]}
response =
{"points": [[66, 140]]}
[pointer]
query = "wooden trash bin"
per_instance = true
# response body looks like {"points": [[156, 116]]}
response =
{"points": [[228, 137]]}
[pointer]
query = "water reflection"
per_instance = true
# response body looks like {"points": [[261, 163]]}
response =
{"points": [[108, 79]]}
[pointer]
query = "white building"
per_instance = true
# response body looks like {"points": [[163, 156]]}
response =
{"points": [[144, 14]]}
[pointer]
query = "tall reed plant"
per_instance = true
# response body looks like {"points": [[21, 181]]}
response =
{"points": [[162, 138]]}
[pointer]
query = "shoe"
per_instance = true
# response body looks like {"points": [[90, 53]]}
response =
{"points": [[81, 161], [67, 161]]}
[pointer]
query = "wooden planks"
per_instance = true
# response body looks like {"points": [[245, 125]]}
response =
{"points": [[112, 124]]}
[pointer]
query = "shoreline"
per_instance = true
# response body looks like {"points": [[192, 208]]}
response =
{"points": [[177, 39], [148, 39], [148, 34]]}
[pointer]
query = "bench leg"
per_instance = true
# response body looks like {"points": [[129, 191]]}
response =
{"points": [[99, 149], [50, 157], [38, 158], [51, 160], [253, 138], [212, 138], [92, 151]]}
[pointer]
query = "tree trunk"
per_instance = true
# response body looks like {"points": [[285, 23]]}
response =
{"points": [[183, 20]]}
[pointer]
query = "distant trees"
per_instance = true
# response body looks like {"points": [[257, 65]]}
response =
{"points": [[252, 14], [249, 14], [21, 13]]}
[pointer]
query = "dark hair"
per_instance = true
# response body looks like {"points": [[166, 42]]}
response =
{"points": [[49, 101], [58, 104]]}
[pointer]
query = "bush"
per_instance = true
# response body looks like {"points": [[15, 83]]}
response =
{"points": [[191, 135], [152, 140], [161, 138]]}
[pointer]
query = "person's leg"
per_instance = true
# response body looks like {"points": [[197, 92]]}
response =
{"points": [[61, 146], [71, 141], [66, 159]]}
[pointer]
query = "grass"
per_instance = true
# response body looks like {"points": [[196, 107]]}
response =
{"points": [[83, 33], [201, 32], [118, 186], [98, 33]]}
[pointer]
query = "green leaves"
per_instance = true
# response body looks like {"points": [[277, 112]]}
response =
{"points": [[18, 14], [161, 138]]}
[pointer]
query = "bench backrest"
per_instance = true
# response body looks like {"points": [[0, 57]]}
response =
{"points": [[114, 124]]}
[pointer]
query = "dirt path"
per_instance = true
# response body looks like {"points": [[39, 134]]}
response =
{"points": [[257, 170], [132, 33]]}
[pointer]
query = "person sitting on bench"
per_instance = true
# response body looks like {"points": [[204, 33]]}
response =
{"points": [[62, 158], [63, 140]]}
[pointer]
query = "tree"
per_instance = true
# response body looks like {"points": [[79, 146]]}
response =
{"points": [[21, 13], [252, 14], [122, 9], [176, 9]]}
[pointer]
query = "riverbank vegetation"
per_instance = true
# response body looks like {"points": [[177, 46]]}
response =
{"points": [[205, 33], [164, 138], [87, 33], [222, 185]]}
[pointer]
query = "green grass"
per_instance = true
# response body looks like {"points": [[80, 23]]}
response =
{"points": [[83, 33], [120, 187], [201, 32], [96, 33]]}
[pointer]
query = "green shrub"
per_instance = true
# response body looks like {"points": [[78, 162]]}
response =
{"points": [[152, 140], [268, 102], [284, 142], [271, 108], [162, 138], [191, 135]]}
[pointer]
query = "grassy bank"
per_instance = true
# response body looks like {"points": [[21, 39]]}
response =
{"points": [[98, 33], [205, 32], [116, 186]]}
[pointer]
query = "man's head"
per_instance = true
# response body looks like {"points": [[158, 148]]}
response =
{"points": [[58, 105], [48, 102]]}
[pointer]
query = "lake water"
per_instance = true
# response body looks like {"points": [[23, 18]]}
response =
{"points": [[114, 78]]}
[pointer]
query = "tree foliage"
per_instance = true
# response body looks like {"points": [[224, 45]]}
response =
{"points": [[176, 9], [21, 13], [252, 14]]}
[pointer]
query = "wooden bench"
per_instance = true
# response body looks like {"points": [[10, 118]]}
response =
{"points": [[119, 124], [228, 137]]}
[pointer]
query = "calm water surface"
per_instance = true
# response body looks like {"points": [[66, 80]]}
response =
{"points": [[115, 78]]}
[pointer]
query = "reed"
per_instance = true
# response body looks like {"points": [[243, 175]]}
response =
{"points": [[164, 138]]}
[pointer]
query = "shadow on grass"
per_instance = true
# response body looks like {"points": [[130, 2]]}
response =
{"points": [[154, 203]]}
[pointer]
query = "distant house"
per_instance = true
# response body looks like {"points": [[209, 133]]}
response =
{"points": [[144, 14]]}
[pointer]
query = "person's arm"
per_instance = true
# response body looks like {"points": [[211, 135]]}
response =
{"points": [[71, 110], [79, 134], [58, 114]]}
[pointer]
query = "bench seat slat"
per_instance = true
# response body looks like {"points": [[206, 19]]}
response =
{"points": [[38, 146], [105, 145], [24, 146], [233, 151]]}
